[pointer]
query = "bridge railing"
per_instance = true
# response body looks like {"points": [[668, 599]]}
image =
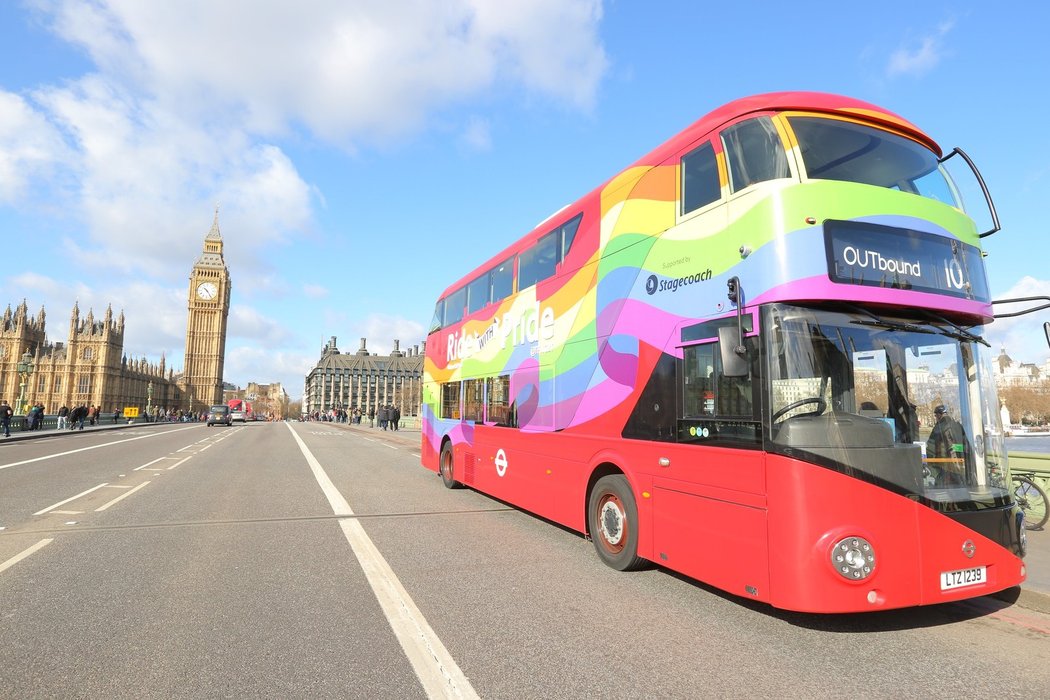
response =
{"points": [[1038, 463]]}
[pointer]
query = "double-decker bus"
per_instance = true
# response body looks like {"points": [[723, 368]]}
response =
{"points": [[753, 357]]}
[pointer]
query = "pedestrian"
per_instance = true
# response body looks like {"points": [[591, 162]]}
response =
{"points": [[395, 417], [384, 417], [82, 414], [116, 414], [371, 417], [5, 417], [947, 446], [63, 416]]}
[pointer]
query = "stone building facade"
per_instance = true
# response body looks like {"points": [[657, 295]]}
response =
{"points": [[364, 380], [269, 401], [89, 369]]}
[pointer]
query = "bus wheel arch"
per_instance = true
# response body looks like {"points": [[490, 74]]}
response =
{"points": [[446, 464], [612, 518]]}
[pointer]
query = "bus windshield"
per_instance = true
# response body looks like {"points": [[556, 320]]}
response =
{"points": [[903, 402], [834, 149]]}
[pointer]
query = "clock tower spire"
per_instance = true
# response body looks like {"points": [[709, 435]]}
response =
{"points": [[208, 309]]}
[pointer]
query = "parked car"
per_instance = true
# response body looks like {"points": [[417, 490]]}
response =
{"points": [[219, 415]]}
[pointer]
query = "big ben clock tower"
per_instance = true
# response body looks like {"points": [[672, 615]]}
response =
{"points": [[209, 306]]}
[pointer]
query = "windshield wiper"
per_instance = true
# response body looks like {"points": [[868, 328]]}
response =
{"points": [[959, 333], [884, 323]]}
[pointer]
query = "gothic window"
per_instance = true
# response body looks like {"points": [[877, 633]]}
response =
{"points": [[88, 353], [84, 385]]}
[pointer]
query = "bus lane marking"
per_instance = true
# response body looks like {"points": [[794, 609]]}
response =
{"points": [[147, 464], [180, 462], [25, 553], [121, 497], [71, 498], [437, 671]]}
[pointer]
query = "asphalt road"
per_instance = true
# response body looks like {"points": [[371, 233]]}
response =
{"points": [[316, 560]]}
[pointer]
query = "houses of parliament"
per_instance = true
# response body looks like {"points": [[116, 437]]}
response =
{"points": [[91, 367]]}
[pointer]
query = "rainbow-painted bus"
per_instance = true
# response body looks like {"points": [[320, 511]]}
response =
{"points": [[753, 357]]}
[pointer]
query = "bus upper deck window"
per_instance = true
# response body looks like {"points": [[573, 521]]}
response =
{"points": [[754, 152], [700, 184], [455, 304]]}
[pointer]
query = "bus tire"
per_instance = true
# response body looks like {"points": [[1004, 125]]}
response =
{"points": [[445, 466], [612, 519]]}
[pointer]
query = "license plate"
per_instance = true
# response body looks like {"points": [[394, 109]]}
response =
{"points": [[963, 577]]}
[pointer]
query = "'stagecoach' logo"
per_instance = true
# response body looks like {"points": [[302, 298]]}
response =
{"points": [[654, 285]]}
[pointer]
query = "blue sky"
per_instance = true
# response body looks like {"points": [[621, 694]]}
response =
{"points": [[364, 155]]}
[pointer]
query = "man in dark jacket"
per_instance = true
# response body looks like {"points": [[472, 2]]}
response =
{"points": [[5, 417], [947, 445]]}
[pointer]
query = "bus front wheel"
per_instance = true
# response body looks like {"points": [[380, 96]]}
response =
{"points": [[612, 518], [445, 467]]}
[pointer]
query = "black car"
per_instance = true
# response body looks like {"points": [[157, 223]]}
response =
{"points": [[219, 415]]}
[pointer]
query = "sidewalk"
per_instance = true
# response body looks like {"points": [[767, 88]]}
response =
{"points": [[18, 436]]}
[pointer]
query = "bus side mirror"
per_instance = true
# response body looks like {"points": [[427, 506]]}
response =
{"points": [[1046, 332], [734, 354]]}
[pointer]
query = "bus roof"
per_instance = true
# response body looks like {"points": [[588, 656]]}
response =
{"points": [[767, 102]]}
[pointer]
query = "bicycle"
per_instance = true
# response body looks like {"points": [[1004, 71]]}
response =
{"points": [[1031, 498]]}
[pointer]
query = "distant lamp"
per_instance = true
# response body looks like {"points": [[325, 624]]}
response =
{"points": [[25, 368]]}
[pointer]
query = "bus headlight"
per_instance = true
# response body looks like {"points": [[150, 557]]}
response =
{"points": [[853, 558]]}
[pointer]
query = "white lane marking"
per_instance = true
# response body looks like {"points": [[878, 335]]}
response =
{"points": [[68, 512], [437, 671], [121, 497], [118, 486], [71, 498], [93, 447], [25, 553], [149, 463], [391, 446], [187, 447], [206, 447], [180, 462]]}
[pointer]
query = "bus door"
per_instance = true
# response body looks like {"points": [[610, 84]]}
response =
{"points": [[709, 500]]}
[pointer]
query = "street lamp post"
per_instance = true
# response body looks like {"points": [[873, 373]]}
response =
{"points": [[149, 400], [25, 368]]}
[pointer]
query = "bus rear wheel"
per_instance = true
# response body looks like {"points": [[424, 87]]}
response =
{"points": [[445, 467], [612, 518]]}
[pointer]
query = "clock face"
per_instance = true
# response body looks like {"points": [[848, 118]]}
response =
{"points": [[207, 290]]}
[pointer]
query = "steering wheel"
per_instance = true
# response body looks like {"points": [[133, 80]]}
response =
{"points": [[821, 407]]}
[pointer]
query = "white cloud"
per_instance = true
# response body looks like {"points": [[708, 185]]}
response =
{"points": [[248, 324], [29, 147], [346, 70], [382, 331], [190, 98], [315, 291], [477, 135], [1022, 336], [922, 56], [253, 364]]}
